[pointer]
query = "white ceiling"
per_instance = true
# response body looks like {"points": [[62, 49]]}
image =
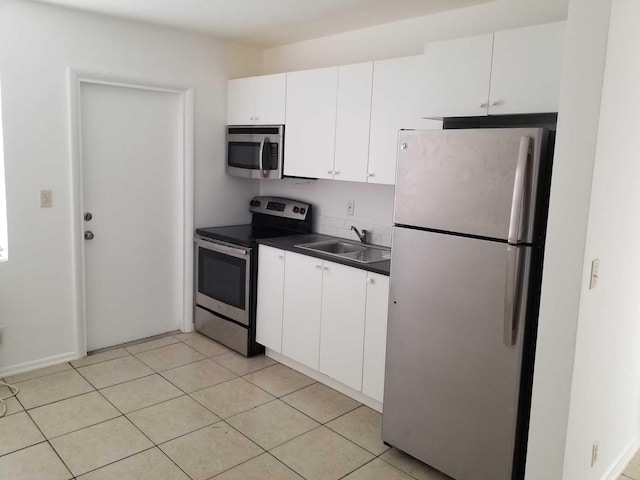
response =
{"points": [[266, 23]]}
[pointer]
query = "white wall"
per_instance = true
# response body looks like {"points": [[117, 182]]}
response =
{"points": [[562, 283], [407, 37], [374, 203], [37, 44], [605, 392]]}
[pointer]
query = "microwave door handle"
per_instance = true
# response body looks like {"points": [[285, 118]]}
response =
{"points": [[260, 153]]}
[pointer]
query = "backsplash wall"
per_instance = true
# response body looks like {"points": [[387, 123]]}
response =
{"points": [[373, 205], [341, 227]]}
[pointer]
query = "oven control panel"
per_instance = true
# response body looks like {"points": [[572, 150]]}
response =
{"points": [[279, 207]]}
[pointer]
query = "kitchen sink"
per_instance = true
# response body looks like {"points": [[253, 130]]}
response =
{"points": [[346, 249]]}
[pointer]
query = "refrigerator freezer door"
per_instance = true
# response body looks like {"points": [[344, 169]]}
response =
{"points": [[479, 182], [452, 382]]}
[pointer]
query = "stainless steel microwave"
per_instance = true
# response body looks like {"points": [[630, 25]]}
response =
{"points": [[255, 151]]}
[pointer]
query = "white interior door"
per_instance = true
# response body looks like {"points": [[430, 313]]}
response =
{"points": [[132, 165]]}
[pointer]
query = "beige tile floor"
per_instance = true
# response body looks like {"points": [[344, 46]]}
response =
{"points": [[183, 407], [632, 472]]}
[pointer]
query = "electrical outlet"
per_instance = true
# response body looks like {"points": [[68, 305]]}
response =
{"points": [[45, 198], [351, 206], [594, 453], [595, 267]]}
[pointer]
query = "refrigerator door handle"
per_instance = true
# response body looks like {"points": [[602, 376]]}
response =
{"points": [[518, 190], [513, 290]]}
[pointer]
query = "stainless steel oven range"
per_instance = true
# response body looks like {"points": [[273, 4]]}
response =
{"points": [[226, 270]]}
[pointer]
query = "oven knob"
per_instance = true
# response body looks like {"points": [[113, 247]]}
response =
{"points": [[302, 210], [296, 209]]}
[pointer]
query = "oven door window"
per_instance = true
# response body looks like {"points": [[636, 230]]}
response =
{"points": [[246, 155], [222, 277]]}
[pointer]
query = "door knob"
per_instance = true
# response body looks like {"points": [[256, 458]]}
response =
{"points": [[88, 235], [88, 216]]}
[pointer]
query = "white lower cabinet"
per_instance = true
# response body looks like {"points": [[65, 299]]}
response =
{"points": [[302, 308], [342, 323], [375, 335], [327, 316], [270, 297]]}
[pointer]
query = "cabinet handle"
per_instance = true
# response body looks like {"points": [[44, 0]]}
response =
{"points": [[319, 267], [336, 172], [495, 103], [330, 172], [252, 118], [370, 280], [326, 269], [281, 257], [371, 174], [257, 117], [483, 105]]}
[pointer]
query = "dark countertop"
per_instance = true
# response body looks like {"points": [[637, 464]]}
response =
{"points": [[289, 243]]}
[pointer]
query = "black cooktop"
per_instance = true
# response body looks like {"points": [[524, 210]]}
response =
{"points": [[245, 235]]}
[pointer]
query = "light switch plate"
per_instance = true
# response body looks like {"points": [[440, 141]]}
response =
{"points": [[45, 198], [351, 206], [595, 267]]}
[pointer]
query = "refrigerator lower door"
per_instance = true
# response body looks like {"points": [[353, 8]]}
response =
{"points": [[454, 348]]}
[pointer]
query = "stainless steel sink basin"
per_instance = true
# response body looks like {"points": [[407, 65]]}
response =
{"points": [[357, 252]]}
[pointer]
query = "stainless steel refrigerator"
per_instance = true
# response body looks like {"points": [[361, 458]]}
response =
{"points": [[469, 215]]}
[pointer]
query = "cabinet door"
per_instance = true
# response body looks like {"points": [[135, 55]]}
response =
{"points": [[311, 123], [342, 326], [395, 104], [270, 99], [526, 69], [456, 77], [352, 122], [270, 297], [375, 336], [241, 101], [302, 304]]}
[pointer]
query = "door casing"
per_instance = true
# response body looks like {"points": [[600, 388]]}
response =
{"points": [[76, 78]]}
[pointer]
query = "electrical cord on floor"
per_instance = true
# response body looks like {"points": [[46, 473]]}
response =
{"points": [[3, 404]]}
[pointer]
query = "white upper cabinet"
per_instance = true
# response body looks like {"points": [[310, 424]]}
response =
{"points": [[395, 105], [509, 72], [526, 69], [352, 122], [270, 297], [257, 100], [342, 324], [311, 123], [456, 77], [241, 101]]}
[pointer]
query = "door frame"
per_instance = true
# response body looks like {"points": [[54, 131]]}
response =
{"points": [[76, 78]]}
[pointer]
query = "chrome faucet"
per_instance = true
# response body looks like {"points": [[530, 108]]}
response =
{"points": [[362, 236]]}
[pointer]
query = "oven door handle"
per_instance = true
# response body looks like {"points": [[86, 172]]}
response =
{"points": [[218, 247]]}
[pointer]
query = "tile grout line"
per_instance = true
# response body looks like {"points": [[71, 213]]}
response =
{"points": [[155, 445], [358, 468], [73, 475]]}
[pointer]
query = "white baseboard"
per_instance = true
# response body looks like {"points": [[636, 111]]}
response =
{"points": [[624, 459], [328, 381], [40, 363]]}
